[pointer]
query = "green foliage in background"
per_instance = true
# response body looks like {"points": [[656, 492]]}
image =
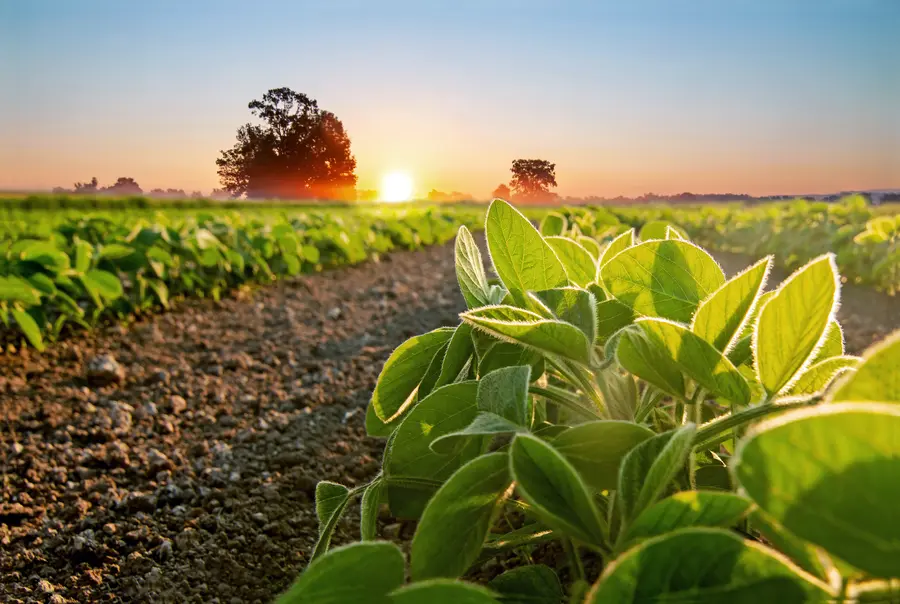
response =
{"points": [[59, 273]]}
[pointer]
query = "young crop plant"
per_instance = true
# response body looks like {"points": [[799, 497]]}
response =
{"points": [[678, 435]]}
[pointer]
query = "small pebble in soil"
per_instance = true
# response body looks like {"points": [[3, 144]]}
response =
{"points": [[103, 370]]}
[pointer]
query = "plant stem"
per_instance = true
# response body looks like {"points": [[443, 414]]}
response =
{"points": [[563, 398], [574, 559], [714, 432]]}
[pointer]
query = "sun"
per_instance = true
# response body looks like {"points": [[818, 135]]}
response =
{"points": [[396, 186]]}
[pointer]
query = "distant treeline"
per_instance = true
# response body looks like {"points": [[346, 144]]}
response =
{"points": [[51, 201]]}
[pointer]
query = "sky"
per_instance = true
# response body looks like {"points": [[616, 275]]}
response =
{"points": [[759, 97]]}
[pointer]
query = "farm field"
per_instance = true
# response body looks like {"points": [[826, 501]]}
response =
{"points": [[67, 263], [193, 475]]}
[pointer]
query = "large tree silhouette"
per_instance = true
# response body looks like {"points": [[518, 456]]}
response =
{"points": [[297, 151], [532, 179]]}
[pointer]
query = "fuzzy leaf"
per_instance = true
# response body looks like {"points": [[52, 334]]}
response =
{"points": [[532, 584], [596, 449], [877, 378], [698, 359], [447, 409], [688, 509], [578, 262], [530, 329], [720, 319], [553, 488], [470, 270], [648, 469], [458, 518], [619, 244], [665, 279], [401, 375], [638, 354], [839, 489], [704, 566], [376, 569], [521, 257], [792, 323]]}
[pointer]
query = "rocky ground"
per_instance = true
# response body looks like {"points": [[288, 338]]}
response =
{"points": [[175, 460]]}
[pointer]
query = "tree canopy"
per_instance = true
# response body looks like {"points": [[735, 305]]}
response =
{"points": [[297, 151], [532, 179]]}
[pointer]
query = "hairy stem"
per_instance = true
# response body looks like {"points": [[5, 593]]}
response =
{"points": [[565, 399], [716, 431]]}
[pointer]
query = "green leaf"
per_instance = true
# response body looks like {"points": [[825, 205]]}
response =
{"points": [[374, 570], [649, 468], [442, 591], [530, 329], [16, 289], [791, 324], [687, 509], [665, 279], [829, 475], [458, 356], [720, 319], [331, 500], [532, 584], [368, 509], [577, 261], [447, 409], [591, 246], [553, 488], [432, 374], [704, 566], [506, 354], [43, 284], [819, 376], [572, 305], [115, 251], [612, 316], [878, 378], [658, 229], [698, 359], [833, 344], [470, 270], [401, 375], [504, 392], [485, 424], [521, 257], [553, 224], [649, 361], [619, 244], [46, 254], [808, 557], [104, 283], [596, 449], [458, 518], [84, 251], [29, 327]]}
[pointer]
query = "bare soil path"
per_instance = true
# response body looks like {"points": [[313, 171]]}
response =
{"points": [[193, 479]]}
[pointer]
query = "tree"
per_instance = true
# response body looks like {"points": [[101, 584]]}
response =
{"points": [[532, 179], [297, 151], [123, 186], [502, 192], [86, 187]]}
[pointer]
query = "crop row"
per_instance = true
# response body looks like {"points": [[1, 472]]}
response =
{"points": [[677, 435], [865, 240], [76, 272]]}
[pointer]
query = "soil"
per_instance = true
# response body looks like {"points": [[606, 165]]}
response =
{"points": [[190, 475]]}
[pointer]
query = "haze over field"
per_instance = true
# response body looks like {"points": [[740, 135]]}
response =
{"points": [[625, 98]]}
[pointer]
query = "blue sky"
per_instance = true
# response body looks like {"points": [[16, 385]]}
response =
{"points": [[759, 97]]}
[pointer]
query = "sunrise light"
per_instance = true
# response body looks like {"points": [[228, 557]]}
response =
{"points": [[396, 186]]}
